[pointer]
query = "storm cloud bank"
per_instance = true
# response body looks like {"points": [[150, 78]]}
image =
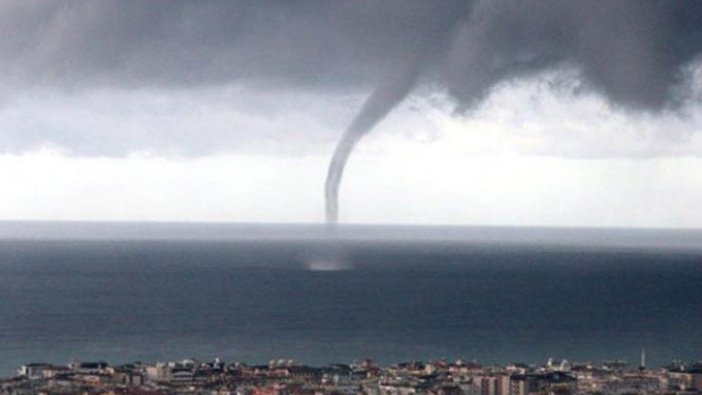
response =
{"points": [[633, 52], [636, 54]]}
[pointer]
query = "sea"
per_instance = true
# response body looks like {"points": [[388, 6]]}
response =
{"points": [[125, 292]]}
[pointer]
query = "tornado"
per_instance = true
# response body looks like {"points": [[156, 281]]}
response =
{"points": [[385, 97], [439, 26]]}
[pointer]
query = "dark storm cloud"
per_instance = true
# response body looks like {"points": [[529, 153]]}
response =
{"points": [[631, 51], [74, 44]]}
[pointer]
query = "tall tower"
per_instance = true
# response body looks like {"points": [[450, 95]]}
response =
{"points": [[642, 367]]}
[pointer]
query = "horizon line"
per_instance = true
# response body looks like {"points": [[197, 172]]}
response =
{"points": [[341, 224]]}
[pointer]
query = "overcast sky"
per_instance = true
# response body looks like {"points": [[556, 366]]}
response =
{"points": [[516, 112]]}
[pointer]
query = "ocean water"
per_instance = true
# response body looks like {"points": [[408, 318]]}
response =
{"points": [[150, 293]]}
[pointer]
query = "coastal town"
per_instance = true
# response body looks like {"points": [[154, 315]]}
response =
{"points": [[286, 377]]}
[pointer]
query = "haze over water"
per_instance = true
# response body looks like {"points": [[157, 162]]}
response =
{"points": [[125, 292]]}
